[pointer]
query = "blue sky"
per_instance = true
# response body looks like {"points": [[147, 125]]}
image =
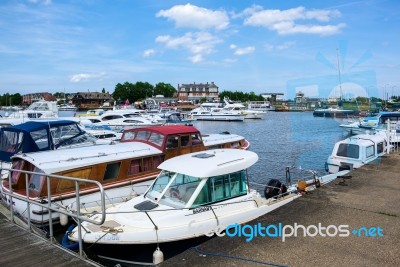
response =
{"points": [[259, 46]]}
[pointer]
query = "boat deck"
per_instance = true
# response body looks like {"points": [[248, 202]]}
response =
{"points": [[19, 247]]}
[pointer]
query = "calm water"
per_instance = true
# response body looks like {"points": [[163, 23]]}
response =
{"points": [[281, 139], [284, 139]]}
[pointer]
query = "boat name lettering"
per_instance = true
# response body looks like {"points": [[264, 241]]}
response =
{"points": [[201, 209], [107, 237]]}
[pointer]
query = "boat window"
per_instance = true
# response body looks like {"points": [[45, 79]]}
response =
{"points": [[142, 135], [185, 141], [159, 185], [380, 147], [147, 164], [172, 142], [11, 141], [348, 151], [156, 139], [128, 136], [369, 151], [196, 139], [222, 187], [235, 145], [41, 139], [16, 165], [36, 181], [134, 167], [112, 171], [132, 121], [63, 133]]}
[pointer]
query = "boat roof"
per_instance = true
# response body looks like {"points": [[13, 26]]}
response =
{"points": [[64, 159], [211, 162], [364, 139], [218, 138], [167, 129], [31, 126]]}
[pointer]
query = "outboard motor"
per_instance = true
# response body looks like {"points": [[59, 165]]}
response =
{"points": [[272, 189]]}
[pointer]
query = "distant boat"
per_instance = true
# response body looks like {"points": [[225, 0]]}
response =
{"points": [[67, 107], [333, 112], [37, 110]]}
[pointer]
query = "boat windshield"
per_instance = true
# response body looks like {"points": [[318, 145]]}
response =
{"points": [[173, 189]]}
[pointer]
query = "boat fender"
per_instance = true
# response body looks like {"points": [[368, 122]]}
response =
{"points": [[158, 256], [63, 219], [301, 185], [272, 189], [66, 243]]}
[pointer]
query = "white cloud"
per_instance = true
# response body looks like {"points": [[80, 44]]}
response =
{"points": [[198, 43], [148, 52], [286, 21], [86, 76], [43, 2], [191, 16], [283, 46], [240, 51]]}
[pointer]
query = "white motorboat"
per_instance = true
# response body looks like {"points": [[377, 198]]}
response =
{"points": [[356, 151], [194, 195], [124, 169], [360, 126], [124, 119], [249, 113], [203, 113], [67, 107], [36, 111]]}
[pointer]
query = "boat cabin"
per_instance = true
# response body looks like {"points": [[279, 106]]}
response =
{"points": [[33, 136], [356, 151], [190, 185]]}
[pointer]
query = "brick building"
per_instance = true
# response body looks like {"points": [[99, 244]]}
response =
{"points": [[30, 98], [195, 91]]}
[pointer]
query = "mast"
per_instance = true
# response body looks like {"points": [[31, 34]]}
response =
{"points": [[340, 78]]}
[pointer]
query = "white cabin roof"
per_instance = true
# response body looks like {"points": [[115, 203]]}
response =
{"points": [[216, 139], [211, 162], [64, 159], [364, 139]]}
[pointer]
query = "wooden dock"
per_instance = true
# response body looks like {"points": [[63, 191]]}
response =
{"points": [[20, 247]]}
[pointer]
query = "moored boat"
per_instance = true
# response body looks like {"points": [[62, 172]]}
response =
{"points": [[124, 169], [188, 200], [356, 151]]}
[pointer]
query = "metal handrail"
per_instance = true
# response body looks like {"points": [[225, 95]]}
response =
{"points": [[77, 217]]}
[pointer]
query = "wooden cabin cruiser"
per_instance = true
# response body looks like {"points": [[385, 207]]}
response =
{"points": [[125, 169], [355, 151], [188, 200]]}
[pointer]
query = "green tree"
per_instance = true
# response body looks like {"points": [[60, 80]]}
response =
{"points": [[164, 89]]}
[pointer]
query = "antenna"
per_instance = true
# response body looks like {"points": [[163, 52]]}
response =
{"points": [[340, 79]]}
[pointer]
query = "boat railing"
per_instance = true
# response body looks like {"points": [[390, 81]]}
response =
{"points": [[46, 203]]}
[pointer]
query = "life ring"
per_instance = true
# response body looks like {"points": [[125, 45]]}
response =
{"points": [[66, 243]]}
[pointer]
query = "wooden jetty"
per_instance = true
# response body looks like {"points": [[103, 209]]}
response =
{"points": [[21, 247]]}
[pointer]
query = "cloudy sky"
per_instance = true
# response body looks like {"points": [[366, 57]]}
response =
{"points": [[258, 46]]}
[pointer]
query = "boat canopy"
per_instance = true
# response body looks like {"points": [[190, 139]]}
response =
{"points": [[211, 162], [33, 136]]}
